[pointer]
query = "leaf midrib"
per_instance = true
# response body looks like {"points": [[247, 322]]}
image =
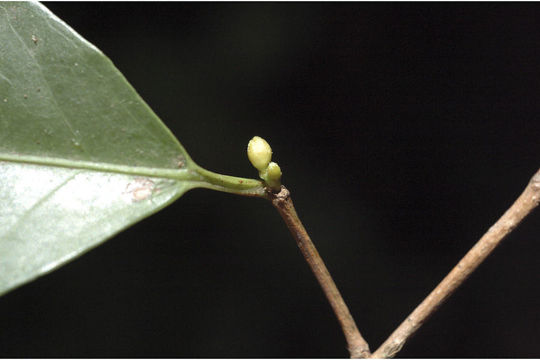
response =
{"points": [[174, 174]]}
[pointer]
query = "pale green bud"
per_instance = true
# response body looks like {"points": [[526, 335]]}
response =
{"points": [[273, 172], [272, 176], [259, 153]]}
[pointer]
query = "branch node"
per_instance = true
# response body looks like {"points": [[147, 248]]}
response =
{"points": [[535, 183]]}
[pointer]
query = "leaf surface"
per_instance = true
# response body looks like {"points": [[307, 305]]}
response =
{"points": [[81, 155]]}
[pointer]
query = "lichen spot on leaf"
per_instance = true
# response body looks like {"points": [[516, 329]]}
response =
{"points": [[140, 189]]}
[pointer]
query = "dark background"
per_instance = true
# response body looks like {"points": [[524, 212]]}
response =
{"points": [[403, 131]]}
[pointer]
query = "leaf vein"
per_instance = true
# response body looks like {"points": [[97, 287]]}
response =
{"points": [[37, 204], [46, 82]]}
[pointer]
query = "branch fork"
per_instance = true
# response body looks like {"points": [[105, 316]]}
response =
{"points": [[260, 153], [357, 345]]}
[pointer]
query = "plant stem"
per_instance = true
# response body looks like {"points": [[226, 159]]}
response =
{"points": [[358, 347], [526, 202], [230, 184]]}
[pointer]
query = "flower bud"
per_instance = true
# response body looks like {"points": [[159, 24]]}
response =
{"points": [[273, 172], [259, 153]]}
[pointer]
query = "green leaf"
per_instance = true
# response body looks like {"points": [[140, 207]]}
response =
{"points": [[81, 155]]}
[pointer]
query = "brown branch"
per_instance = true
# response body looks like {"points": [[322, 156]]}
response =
{"points": [[526, 202], [358, 347]]}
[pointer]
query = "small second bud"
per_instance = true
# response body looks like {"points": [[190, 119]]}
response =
{"points": [[272, 176], [273, 172]]}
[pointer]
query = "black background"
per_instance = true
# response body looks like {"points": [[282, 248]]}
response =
{"points": [[403, 131]]}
